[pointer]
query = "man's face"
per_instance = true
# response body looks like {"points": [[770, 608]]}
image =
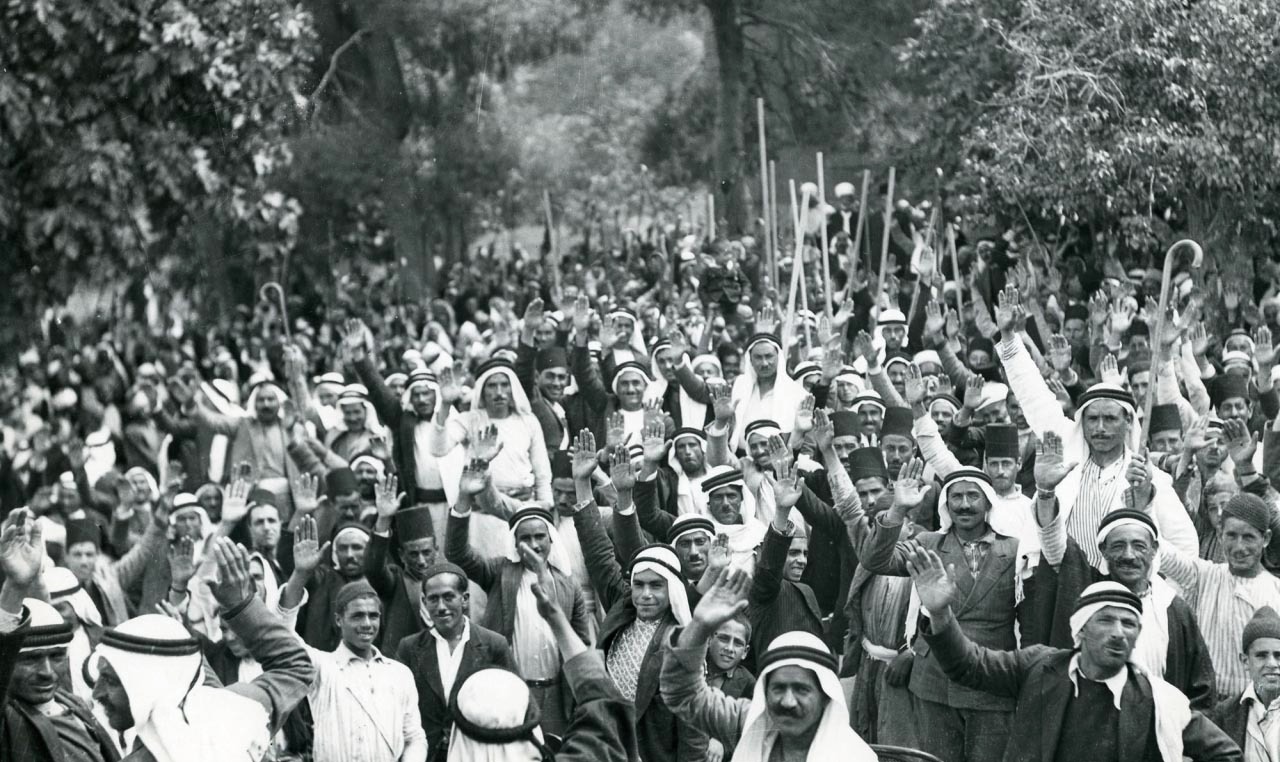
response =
{"points": [[1014, 411], [347, 506], [1130, 551], [1215, 448], [1140, 384], [622, 328], [564, 494], [897, 450], [797, 559], [1139, 344], [108, 692], [728, 645], [36, 675], [666, 359], [81, 559], [1108, 637], [1238, 343], [1242, 544], [871, 417], [689, 455], [551, 382], [979, 358], [418, 555], [1214, 503], [266, 405], [1235, 407], [1076, 331], [497, 395], [996, 412], [367, 477], [141, 487], [870, 490], [535, 533], [631, 391], [967, 505], [545, 334], [1167, 441], [187, 524], [894, 336], [897, 373], [234, 644], [692, 549], [846, 391], [725, 505], [650, 595], [447, 600], [844, 445], [1003, 473], [764, 361], [359, 623], [353, 416], [264, 528], [1262, 661], [731, 364], [942, 416], [706, 371], [795, 701], [423, 400], [758, 449], [211, 501], [1106, 426], [349, 549]]}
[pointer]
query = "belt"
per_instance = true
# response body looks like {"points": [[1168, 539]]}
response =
{"points": [[879, 653], [429, 496], [542, 683]]}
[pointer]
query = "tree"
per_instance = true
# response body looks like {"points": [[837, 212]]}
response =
{"points": [[124, 122], [1103, 114]]}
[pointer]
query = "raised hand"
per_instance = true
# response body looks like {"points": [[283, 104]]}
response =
{"points": [[1099, 309], [21, 548], [953, 324], [616, 431], [582, 314], [1264, 351], [780, 455], [832, 358], [841, 318], [450, 387], [864, 348], [1059, 353], [655, 443], [824, 432], [182, 562], [787, 487], [679, 345], [1009, 310], [1231, 297], [721, 403], [909, 488], [308, 553], [1197, 435], [234, 584], [914, 389], [973, 387], [76, 453], [475, 477], [767, 319], [1199, 340], [933, 584], [585, 460], [387, 498], [1109, 369], [1241, 443], [1050, 468], [622, 472], [485, 445], [306, 493], [804, 414], [718, 555], [354, 342], [533, 318], [235, 502], [935, 322], [726, 598], [653, 412], [751, 475]]}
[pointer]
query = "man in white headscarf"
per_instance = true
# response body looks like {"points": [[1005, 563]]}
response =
{"points": [[358, 427], [798, 709], [150, 677], [1101, 467], [77, 609], [665, 358], [764, 391]]}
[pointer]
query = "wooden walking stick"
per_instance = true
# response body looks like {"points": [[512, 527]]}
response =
{"points": [[765, 195], [826, 264], [862, 217], [884, 241]]}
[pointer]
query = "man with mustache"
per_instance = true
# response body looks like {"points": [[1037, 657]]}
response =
{"points": [[963, 724], [1087, 703], [399, 581], [1225, 596], [1171, 644], [1249, 718], [321, 582], [453, 648]]}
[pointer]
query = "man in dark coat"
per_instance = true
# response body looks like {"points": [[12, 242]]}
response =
{"points": [[1244, 716], [399, 585], [1085, 703], [445, 599], [1129, 542]]}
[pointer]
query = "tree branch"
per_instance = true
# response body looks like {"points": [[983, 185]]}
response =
{"points": [[331, 71]]}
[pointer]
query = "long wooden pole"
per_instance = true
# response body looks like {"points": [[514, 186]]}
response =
{"points": [[711, 214], [857, 235], [765, 195], [773, 222], [797, 262], [554, 262], [884, 241], [826, 264], [955, 269]]}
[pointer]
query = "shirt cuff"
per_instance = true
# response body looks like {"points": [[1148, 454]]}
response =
{"points": [[9, 622], [459, 514]]}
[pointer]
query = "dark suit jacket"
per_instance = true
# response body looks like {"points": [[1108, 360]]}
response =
{"points": [[483, 650], [660, 735], [398, 420], [1036, 679], [399, 614], [27, 735], [1232, 717], [985, 609], [776, 605]]}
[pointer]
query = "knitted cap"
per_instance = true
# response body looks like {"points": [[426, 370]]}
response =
{"points": [[352, 591], [1250, 509], [1264, 624]]}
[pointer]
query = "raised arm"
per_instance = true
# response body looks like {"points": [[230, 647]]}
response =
{"points": [[457, 546], [597, 551], [767, 581], [881, 551], [626, 525], [928, 438], [378, 568], [1039, 405]]}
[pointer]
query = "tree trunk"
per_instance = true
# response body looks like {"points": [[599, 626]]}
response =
{"points": [[729, 160]]}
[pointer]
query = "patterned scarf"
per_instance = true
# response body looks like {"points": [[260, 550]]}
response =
{"points": [[627, 654]]}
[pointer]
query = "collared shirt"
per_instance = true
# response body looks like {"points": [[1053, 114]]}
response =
{"points": [[1262, 733], [450, 660], [1115, 683], [1099, 488], [975, 551], [364, 710]]}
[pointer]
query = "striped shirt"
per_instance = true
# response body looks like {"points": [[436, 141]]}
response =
{"points": [[1224, 603], [365, 710], [1099, 488]]}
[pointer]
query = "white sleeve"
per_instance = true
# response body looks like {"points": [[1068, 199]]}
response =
{"points": [[1171, 517], [935, 451], [1039, 405]]}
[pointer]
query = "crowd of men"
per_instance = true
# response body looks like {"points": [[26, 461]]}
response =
{"points": [[632, 505]]}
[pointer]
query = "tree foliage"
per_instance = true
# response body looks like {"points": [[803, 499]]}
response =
{"points": [[123, 120], [1103, 114]]}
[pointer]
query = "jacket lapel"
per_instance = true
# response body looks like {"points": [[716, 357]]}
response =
{"points": [[430, 665], [999, 558], [1055, 692], [647, 683], [1137, 711]]}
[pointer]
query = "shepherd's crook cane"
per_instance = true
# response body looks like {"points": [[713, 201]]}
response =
{"points": [[284, 312], [1157, 336]]}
